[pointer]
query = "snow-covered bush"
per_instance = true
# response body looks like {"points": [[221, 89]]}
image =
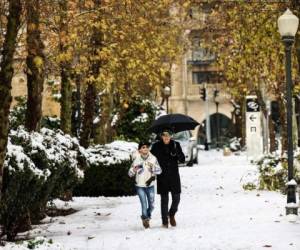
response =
{"points": [[273, 172], [23, 182], [38, 167], [107, 171], [50, 122], [132, 123], [38, 243], [42, 166], [250, 180], [17, 113]]}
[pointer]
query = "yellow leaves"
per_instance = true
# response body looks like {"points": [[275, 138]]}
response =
{"points": [[142, 21], [104, 53], [137, 42], [297, 88], [38, 62], [56, 18], [125, 105], [65, 57], [253, 52], [83, 59]]}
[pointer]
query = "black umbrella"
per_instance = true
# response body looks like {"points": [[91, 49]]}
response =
{"points": [[174, 122]]}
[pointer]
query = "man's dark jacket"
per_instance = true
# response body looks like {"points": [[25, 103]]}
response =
{"points": [[168, 156]]}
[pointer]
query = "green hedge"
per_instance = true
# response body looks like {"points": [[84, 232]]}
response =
{"points": [[106, 180], [39, 167]]}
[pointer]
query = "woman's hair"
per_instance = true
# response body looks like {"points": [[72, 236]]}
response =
{"points": [[143, 143]]}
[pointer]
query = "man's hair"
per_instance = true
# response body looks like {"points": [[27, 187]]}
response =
{"points": [[167, 130]]}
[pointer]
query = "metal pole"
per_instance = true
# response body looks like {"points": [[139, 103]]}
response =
{"points": [[291, 187], [207, 118], [218, 124], [167, 103]]}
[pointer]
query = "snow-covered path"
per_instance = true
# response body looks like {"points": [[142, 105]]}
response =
{"points": [[214, 213]]}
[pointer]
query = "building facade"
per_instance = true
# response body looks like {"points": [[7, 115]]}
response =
{"points": [[197, 88]]}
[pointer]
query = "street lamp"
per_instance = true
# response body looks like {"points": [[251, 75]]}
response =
{"points": [[288, 26], [167, 93]]}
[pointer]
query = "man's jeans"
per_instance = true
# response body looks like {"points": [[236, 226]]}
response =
{"points": [[146, 195], [165, 212]]}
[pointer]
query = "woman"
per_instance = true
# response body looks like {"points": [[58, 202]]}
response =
{"points": [[145, 167]]}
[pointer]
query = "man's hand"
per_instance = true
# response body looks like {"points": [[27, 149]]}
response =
{"points": [[148, 182]]}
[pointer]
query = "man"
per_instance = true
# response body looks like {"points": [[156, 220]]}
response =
{"points": [[168, 153]]}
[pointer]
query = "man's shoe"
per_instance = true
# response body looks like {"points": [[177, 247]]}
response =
{"points": [[146, 223], [165, 225], [172, 221]]}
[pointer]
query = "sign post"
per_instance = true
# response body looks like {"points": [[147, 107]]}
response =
{"points": [[254, 136]]}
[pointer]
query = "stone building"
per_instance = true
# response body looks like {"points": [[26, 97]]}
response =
{"points": [[196, 73]]}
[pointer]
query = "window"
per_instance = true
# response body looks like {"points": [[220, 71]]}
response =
{"points": [[200, 12], [200, 77], [182, 136], [202, 54]]}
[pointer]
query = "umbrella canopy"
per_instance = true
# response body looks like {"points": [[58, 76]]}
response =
{"points": [[175, 122]]}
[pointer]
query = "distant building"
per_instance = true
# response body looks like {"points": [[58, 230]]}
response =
{"points": [[197, 70]]}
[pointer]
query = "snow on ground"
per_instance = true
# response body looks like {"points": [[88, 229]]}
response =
{"points": [[215, 213]]}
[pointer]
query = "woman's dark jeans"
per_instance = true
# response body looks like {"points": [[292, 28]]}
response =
{"points": [[165, 212]]}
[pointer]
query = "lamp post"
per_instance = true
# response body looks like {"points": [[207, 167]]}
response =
{"points": [[167, 93], [288, 26], [216, 99]]}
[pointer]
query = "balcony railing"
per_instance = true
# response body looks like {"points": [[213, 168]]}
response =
{"points": [[202, 56]]}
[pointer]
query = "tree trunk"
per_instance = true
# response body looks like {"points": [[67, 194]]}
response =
{"points": [[240, 125], [91, 93], [88, 117], [65, 72], [76, 107], [283, 134], [103, 130], [6, 74], [35, 66], [272, 136], [103, 125]]}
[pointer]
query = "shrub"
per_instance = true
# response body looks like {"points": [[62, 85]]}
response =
{"points": [[273, 172], [17, 113], [39, 167], [133, 123], [107, 171], [50, 122], [106, 180], [22, 184], [35, 243]]}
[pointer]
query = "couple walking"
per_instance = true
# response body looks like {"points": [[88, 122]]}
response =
{"points": [[162, 162]]}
